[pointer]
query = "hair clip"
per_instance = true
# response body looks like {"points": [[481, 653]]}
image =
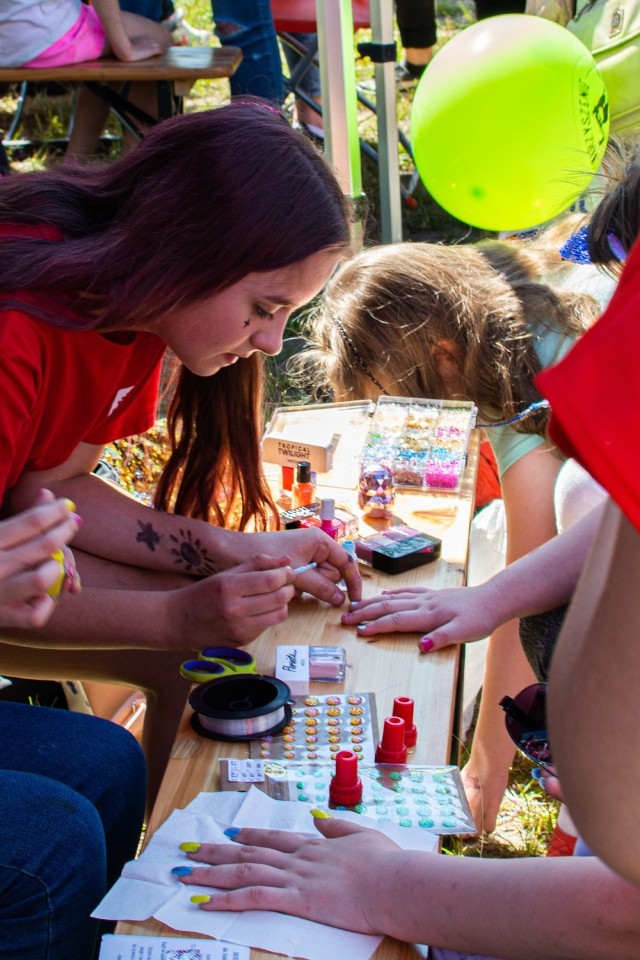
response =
{"points": [[261, 104], [357, 356], [616, 247], [576, 248]]}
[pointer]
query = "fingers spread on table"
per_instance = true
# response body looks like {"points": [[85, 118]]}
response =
{"points": [[385, 615], [246, 838]]}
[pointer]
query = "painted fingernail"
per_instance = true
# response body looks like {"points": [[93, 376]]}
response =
{"points": [[190, 846], [182, 871], [538, 773], [54, 590], [71, 507], [425, 644], [77, 519], [200, 898], [321, 815], [360, 626], [232, 832]]}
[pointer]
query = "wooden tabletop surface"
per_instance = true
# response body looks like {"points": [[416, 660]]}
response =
{"points": [[178, 63], [388, 667]]}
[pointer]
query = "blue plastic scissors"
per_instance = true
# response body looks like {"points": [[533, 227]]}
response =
{"points": [[216, 662]]}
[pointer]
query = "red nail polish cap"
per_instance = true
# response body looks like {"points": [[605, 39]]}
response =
{"points": [[392, 748], [345, 789], [403, 707]]}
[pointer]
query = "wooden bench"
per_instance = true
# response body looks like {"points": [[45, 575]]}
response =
{"points": [[174, 73]]}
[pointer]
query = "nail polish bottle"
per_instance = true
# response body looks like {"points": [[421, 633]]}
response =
{"points": [[303, 493], [285, 500], [328, 521]]}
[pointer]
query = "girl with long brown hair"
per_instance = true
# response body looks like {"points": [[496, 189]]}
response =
{"points": [[203, 239]]}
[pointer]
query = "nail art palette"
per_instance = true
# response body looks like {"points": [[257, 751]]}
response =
{"points": [[430, 798], [416, 444], [322, 725]]}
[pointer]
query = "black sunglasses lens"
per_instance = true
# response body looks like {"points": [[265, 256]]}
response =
{"points": [[526, 722]]}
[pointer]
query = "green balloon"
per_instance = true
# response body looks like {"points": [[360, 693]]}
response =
{"points": [[509, 122]]}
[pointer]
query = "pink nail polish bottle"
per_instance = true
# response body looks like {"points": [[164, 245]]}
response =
{"points": [[328, 521]]}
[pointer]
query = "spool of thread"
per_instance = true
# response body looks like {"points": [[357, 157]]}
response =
{"points": [[392, 748], [240, 707], [345, 789], [403, 707]]}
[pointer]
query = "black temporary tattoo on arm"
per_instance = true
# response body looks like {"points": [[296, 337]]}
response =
{"points": [[192, 555], [148, 535]]}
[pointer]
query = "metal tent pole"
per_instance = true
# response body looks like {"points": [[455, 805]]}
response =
{"points": [[386, 101], [339, 102]]}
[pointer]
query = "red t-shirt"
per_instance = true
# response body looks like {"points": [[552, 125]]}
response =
{"points": [[595, 396], [62, 387]]}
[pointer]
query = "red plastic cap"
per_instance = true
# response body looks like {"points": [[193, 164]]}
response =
{"points": [[287, 478], [345, 789], [403, 707], [392, 748]]}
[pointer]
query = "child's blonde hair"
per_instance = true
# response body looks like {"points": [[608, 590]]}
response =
{"points": [[389, 310]]}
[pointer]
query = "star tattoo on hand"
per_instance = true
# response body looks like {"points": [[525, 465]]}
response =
{"points": [[148, 535]]}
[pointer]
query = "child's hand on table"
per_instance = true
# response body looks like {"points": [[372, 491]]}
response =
{"points": [[444, 617], [299, 875]]}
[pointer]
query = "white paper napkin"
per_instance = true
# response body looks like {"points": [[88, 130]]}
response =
{"points": [[147, 887]]}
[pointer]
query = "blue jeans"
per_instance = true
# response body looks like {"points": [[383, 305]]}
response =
{"points": [[151, 9], [72, 794], [248, 24]]}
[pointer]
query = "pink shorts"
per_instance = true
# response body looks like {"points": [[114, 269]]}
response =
{"points": [[84, 41]]}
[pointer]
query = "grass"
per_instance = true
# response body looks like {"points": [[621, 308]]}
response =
{"points": [[527, 815]]}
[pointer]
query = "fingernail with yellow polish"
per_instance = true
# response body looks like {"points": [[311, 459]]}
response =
{"points": [[200, 898], [321, 815], [54, 589], [71, 507], [190, 846]]}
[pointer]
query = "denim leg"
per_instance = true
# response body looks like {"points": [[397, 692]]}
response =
{"points": [[248, 24], [52, 869], [72, 794], [151, 9]]}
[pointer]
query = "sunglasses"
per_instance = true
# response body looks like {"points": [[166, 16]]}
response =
{"points": [[526, 723]]}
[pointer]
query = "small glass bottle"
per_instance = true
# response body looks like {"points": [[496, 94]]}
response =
{"points": [[328, 521], [285, 499], [303, 492]]}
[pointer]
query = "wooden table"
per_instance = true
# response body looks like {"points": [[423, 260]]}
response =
{"points": [[174, 73], [388, 667]]}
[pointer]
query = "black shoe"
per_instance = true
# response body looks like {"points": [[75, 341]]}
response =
{"points": [[408, 74]]}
